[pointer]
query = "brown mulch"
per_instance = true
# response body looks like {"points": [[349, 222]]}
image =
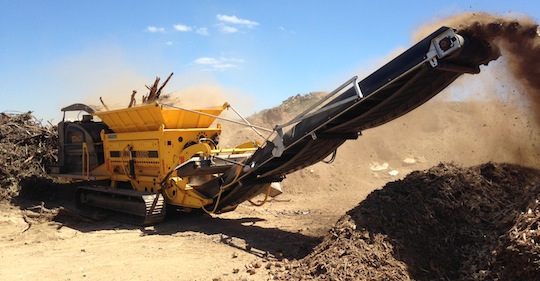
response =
{"points": [[446, 223], [26, 148]]}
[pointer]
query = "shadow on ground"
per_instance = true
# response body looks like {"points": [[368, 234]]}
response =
{"points": [[242, 233]]}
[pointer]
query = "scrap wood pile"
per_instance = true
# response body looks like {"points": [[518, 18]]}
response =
{"points": [[446, 223], [26, 148]]}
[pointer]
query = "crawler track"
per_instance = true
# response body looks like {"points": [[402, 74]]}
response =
{"points": [[131, 206]]}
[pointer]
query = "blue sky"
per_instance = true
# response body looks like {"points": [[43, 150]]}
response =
{"points": [[253, 54]]}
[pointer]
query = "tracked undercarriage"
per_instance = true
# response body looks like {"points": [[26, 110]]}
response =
{"points": [[139, 208]]}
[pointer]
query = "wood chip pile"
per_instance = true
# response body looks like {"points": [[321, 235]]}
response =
{"points": [[26, 148], [446, 223]]}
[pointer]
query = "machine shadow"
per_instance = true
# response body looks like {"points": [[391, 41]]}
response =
{"points": [[256, 239], [242, 233]]}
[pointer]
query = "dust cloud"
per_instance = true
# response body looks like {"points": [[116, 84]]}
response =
{"points": [[491, 116], [211, 94], [517, 37], [107, 72], [198, 96]]}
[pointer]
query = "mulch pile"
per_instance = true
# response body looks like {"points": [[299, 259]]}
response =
{"points": [[26, 148], [445, 223]]}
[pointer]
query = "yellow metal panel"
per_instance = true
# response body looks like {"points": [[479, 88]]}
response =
{"points": [[180, 119], [152, 116]]}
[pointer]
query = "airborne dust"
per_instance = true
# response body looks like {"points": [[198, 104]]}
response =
{"points": [[518, 39]]}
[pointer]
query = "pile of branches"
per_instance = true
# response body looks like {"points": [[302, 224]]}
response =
{"points": [[26, 148], [446, 223]]}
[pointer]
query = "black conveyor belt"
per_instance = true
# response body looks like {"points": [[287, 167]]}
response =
{"points": [[398, 87]]}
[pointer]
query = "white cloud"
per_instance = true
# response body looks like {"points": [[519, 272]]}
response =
{"points": [[183, 28], [155, 29], [219, 63], [186, 28], [206, 60], [202, 31], [236, 20], [169, 43], [226, 28]]}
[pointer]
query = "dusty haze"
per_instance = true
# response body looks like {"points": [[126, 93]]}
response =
{"points": [[517, 37]]}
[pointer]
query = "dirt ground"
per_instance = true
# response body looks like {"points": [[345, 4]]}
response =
{"points": [[185, 247]]}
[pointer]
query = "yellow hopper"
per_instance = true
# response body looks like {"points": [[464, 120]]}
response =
{"points": [[151, 117]]}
